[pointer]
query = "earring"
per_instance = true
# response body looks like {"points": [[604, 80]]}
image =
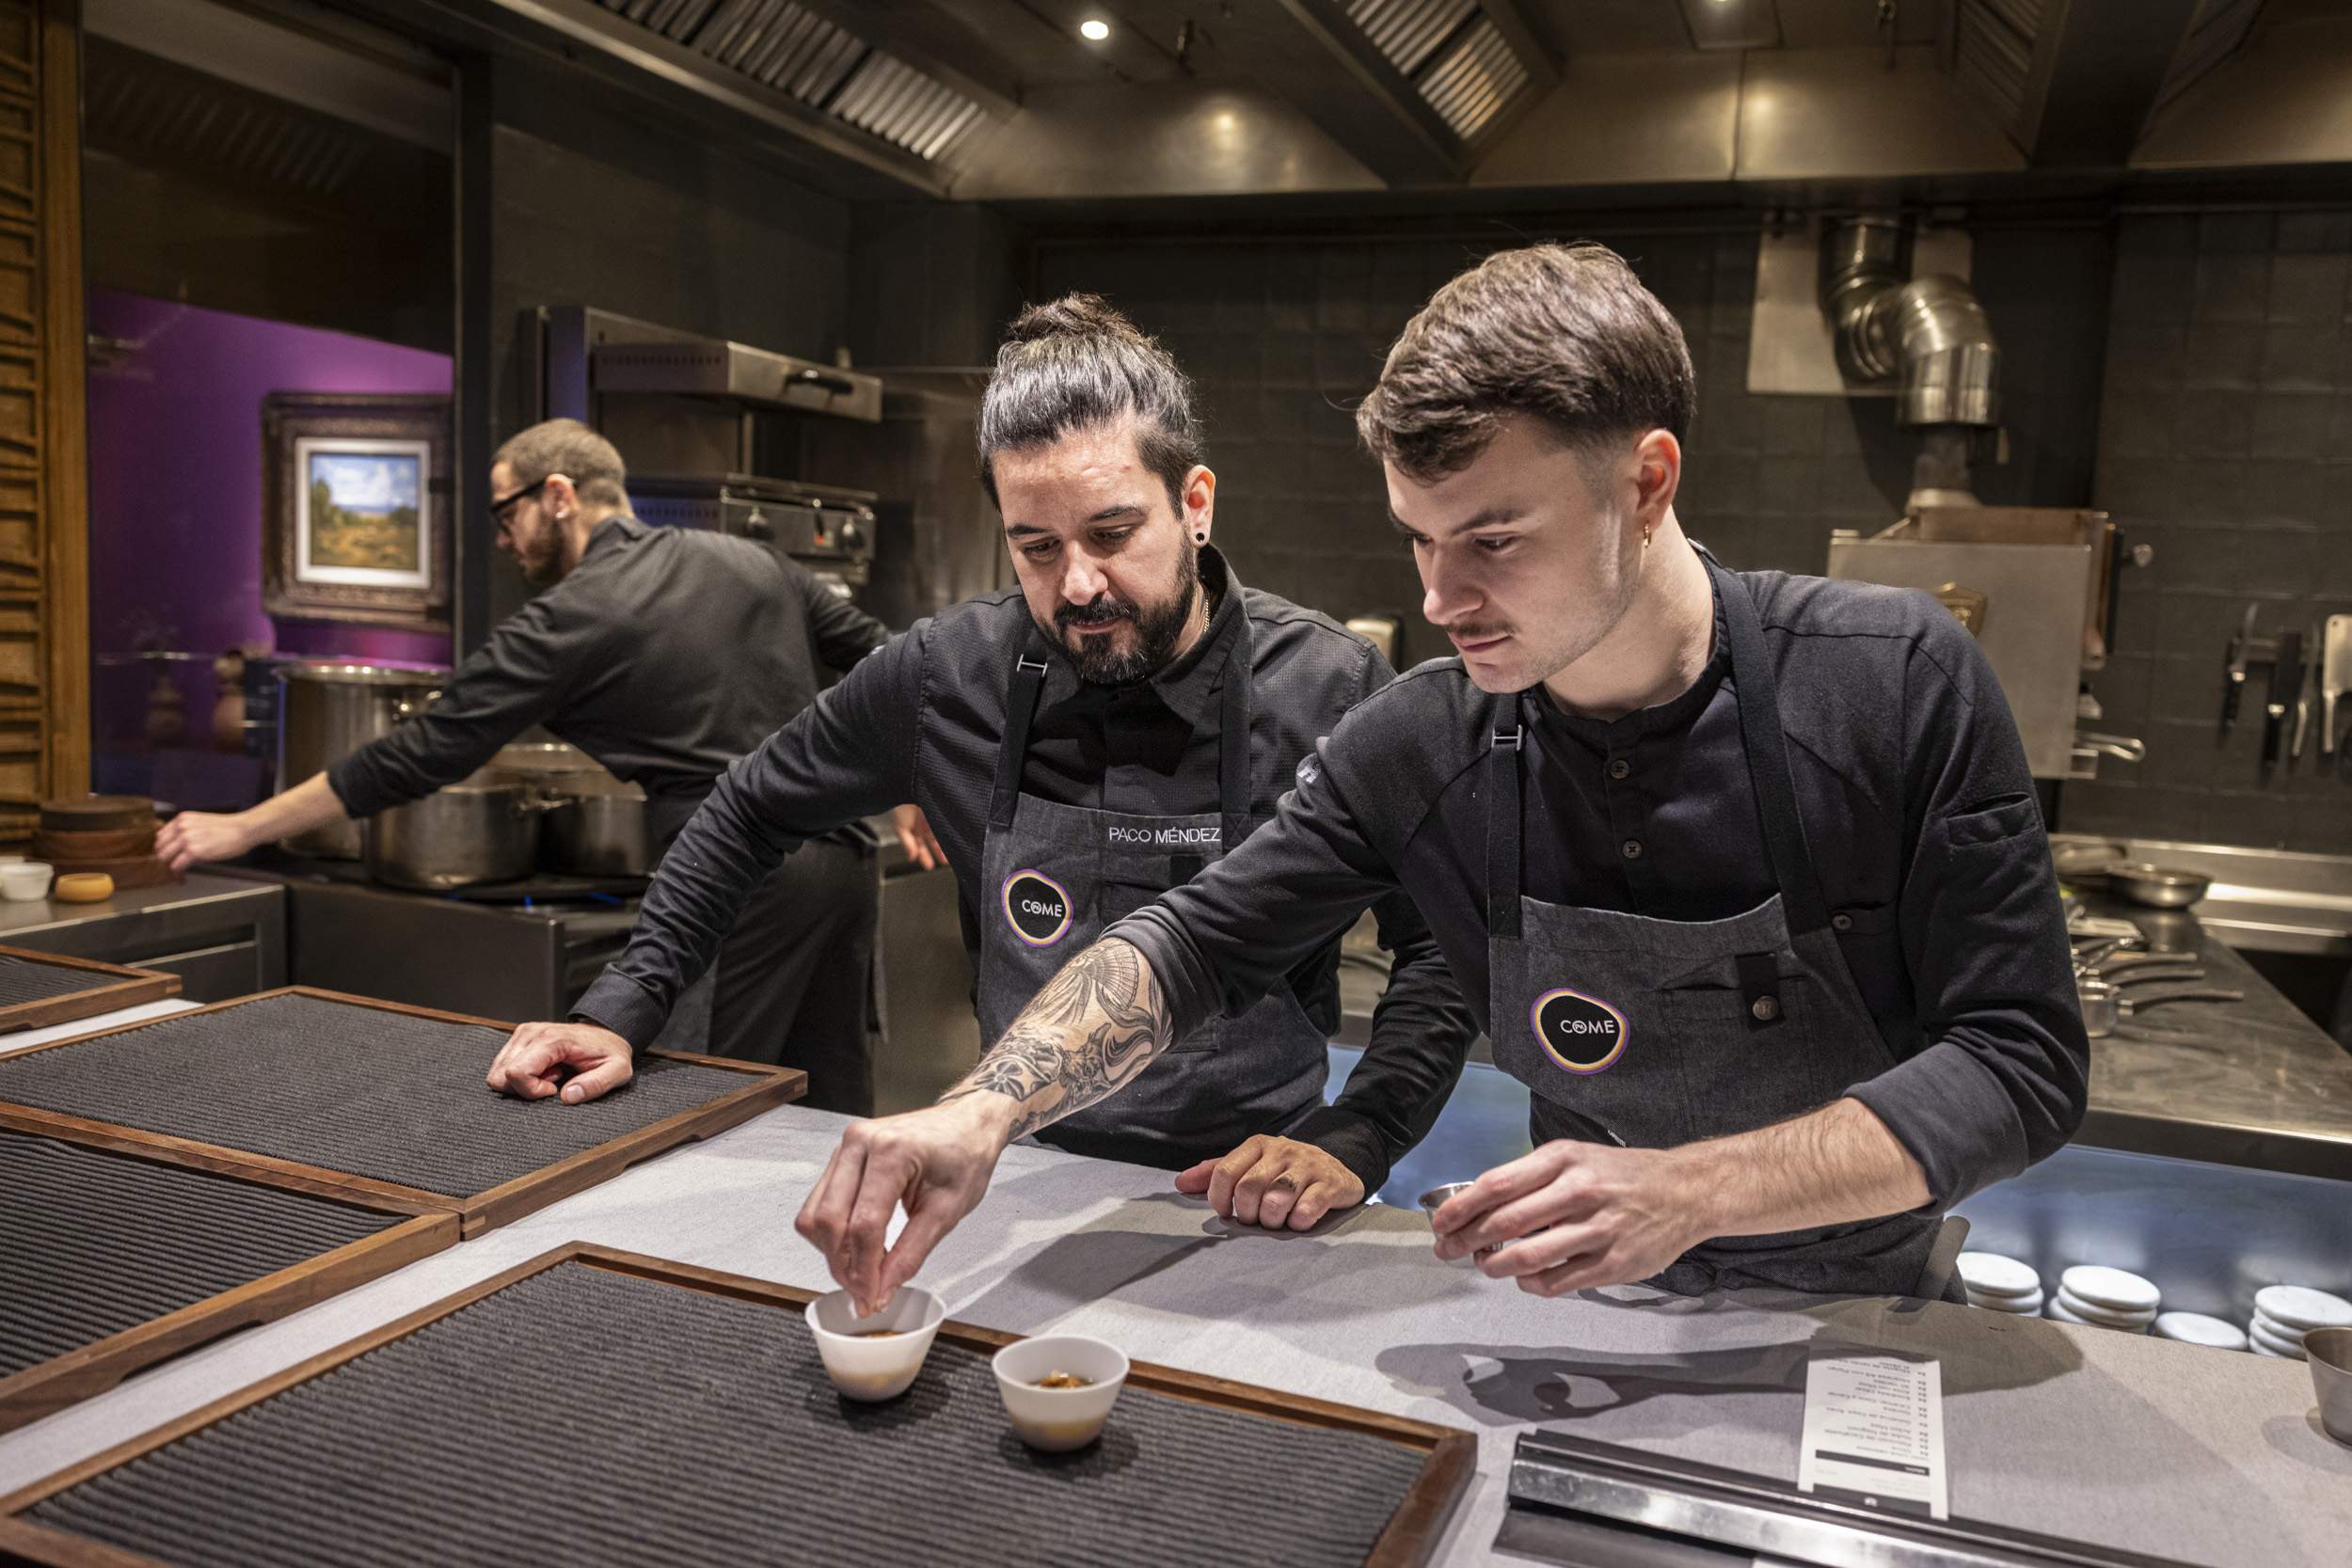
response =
{"points": [[1646, 528], [1202, 538]]}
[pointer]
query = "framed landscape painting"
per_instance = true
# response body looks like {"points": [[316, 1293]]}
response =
{"points": [[356, 495]]}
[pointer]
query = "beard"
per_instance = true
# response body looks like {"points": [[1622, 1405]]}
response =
{"points": [[1157, 630]]}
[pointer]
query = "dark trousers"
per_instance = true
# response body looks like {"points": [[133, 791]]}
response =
{"points": [[795, 977]]}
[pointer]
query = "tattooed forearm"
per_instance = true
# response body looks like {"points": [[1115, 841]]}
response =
{"points": [[1094, 1026]]}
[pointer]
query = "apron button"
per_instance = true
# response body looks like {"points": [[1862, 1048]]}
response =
{"points": [[1633, 848], [1841, 922], [1766, 1008]]}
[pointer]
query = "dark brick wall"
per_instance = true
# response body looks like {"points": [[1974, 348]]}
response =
{"points": [[1283, 336], [597, 209], [2225, 433]]}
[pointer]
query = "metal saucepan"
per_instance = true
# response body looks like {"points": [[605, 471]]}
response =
{"points": [[595, 825], [472, 831], [599, 835], [2159, 887]]}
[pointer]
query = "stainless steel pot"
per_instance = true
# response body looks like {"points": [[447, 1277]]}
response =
{"points": [[596, 825], [475, 831], [326, 711], [599, 835]]}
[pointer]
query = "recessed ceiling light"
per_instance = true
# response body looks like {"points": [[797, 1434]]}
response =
{"points": [[1095, 29]]}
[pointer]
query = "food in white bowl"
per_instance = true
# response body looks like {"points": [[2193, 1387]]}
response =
{"points": [[878, 1356], [1059, 1388]]}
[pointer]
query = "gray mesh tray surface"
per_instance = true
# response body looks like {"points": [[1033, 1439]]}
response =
{"points": [[694, 1428], [352, 1088], [93, 1243], [21, 981]]}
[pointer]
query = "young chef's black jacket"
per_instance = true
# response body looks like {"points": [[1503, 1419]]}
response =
{"points": [[922, 721], [1916, 804], [666, 654]]}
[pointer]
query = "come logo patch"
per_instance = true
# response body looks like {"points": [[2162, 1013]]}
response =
{"points": [[1582, 1034], [1037, 908]]}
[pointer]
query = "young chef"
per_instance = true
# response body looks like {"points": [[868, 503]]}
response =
{"points": [[1742, 872], [665, 654], [1081, 745]]}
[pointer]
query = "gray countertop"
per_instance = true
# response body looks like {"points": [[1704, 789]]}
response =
{"points": [[2208, 1456]]}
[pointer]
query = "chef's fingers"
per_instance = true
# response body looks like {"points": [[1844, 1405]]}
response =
{"points": [[1500, 1185], [1229, 1172], [602, 1071], [828, 1205], [1276, 1189], [925, 1227], [887, 1173], [1319, 1199], [522, 1067], [1586, 1273], [1566, 1198], [1196, 1180], [1546, 1249]]}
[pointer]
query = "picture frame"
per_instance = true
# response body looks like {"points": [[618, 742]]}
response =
{"points": [[356, 521]]}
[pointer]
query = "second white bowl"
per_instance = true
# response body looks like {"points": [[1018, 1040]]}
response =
{"points": [[1059, 1420]]}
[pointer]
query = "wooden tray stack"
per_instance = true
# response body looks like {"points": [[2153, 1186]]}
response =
{"points": [[112, 834]]}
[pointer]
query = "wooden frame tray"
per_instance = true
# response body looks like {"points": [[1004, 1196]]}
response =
{"points": [[764, 1088], [1448, 1455], [50, 1385], [133, 988]]}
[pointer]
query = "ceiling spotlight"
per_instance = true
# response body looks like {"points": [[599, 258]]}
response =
{"points": [[1095, 29]]}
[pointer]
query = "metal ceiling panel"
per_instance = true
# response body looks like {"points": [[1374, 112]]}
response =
{"points": [[1409, 31], [889, 99], [791, 48], [1474, 79]]}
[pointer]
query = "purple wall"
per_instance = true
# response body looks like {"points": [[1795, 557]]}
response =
{"points": [[175, 492]]}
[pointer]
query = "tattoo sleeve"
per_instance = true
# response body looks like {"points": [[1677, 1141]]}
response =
{"points": [[1094, 1026]]}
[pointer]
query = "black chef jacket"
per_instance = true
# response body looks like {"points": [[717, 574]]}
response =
{"points": [[1916, 804], [666, 654], [922, 721]]}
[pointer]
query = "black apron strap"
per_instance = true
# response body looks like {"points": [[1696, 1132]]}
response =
{"points": [[1232, 757], [1022, 692], [1508, 740], [1758, 694]]}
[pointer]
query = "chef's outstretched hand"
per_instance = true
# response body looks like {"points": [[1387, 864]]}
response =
{"points": [[1274, 1183], [936, 1162], [915, 836], [194, 837], [1574, 1216], [533, 1062]]}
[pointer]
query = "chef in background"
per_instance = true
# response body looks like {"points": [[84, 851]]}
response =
{"points": [[666, 654]]}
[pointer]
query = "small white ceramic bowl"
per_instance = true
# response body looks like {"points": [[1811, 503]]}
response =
{"points": [[877, 1357], [22, 882], [1058, 1419]]}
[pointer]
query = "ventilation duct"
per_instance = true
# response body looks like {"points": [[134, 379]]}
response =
{"points": [[1928, 335], [1452, 55], [789, 49]]}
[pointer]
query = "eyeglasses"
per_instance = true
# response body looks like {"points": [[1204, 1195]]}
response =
{"points": [[502, 505]]}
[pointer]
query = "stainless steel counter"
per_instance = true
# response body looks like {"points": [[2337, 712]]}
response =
{"points": [[2251, 1082], [222, 935]]}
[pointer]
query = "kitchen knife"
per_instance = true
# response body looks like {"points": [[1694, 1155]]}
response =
{"points": [[2335, 679], [2306, 678], [2234, 669], [2284, 671]]}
